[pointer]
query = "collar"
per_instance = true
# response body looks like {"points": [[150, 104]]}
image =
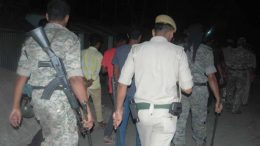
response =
{"points": [[55, 25], [159, 39], [92, 48]]}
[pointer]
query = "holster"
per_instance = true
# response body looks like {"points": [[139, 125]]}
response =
{"points": [[134, 111], [175, 109]]}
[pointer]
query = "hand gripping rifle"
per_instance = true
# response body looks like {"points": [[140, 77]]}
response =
{"points": [[60, 81]]}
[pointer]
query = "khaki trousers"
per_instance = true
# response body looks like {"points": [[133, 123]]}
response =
{"points": [[96, 97], [156, 127]]}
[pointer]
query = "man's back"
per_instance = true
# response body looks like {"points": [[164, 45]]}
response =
{"points": [[238, 58], [203, 63], [119, 60], [65, 45], [91, 64], [156, 65]]}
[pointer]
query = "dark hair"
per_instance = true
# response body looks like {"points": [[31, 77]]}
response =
{"points": [[94, 39], [120, 37], [57, 9], [134, 34], [162, 27]]}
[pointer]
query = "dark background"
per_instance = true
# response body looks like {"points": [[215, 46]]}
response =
{"points": [[231, 18]]}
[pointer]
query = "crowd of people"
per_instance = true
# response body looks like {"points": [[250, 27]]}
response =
{"points": [[151, 72]]}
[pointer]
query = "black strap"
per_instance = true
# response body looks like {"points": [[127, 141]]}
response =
{"points": [[200, 84]]}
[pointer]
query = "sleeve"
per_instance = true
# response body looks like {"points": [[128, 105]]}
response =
{"points": [[127, 71], [185, 77], [72, 58], [24, 65], [209, 64]]}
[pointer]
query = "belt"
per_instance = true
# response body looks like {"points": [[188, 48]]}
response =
{"points": [[43, 87], [200, 84], [238, 69], [144, 105]]}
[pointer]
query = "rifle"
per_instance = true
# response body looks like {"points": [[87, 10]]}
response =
{"points": [[60, 81]]}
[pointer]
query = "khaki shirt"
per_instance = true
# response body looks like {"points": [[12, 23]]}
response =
{"points": [[157, 66]]}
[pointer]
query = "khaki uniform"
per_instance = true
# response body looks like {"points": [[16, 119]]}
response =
{"points": [[56, 117]]}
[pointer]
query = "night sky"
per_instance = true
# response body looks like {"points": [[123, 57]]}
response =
{"points": [[231, 18]]}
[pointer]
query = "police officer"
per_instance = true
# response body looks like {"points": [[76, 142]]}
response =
{"points": [[201, 63], [56, 117], [157, 65]]}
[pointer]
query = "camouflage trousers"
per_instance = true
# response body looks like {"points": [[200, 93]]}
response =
{"points": [[196, 103], [236, 88], [247, 88], [56, 118]]}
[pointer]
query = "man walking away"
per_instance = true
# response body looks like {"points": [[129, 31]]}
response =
{"points": [[157, 66]]}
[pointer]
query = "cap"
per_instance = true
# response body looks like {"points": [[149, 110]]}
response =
{"points": [[166, 19]]}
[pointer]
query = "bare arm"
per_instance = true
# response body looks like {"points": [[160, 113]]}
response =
{"points": [[214, 87], [77, 84], [187, 91], [118, 114], [20, 82], [15, 116], [116, 72]]}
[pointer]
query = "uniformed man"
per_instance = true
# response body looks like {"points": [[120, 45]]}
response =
{"points": [[56, 117], [201, 63], [157, 65], [239, 62]]}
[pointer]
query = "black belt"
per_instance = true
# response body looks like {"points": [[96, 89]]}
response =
{"points": [[238, 69], [200, 84], [43, 87]]}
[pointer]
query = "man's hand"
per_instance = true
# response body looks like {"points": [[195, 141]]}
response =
{"points": [[117, 118], [89, 82], [218, 107], [88, 121], [15, 118]]}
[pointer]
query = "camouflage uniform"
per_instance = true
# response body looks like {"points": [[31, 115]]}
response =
{"points": [[197, 101], [248, 78], [238, 61], [56, 117]]}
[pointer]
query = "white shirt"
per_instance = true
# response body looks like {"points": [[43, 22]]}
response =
{"points": [[157, 66]]}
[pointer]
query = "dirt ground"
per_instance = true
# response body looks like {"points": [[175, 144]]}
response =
{"points": [[232, 130]]}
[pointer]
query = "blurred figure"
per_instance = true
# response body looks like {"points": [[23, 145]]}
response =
{"points": [[238, 61], [250, 76], [91, 64], [119, 61], [107, 67]]}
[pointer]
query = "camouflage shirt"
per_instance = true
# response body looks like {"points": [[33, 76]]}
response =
{"points": [[64, 43], [203, 64]]}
